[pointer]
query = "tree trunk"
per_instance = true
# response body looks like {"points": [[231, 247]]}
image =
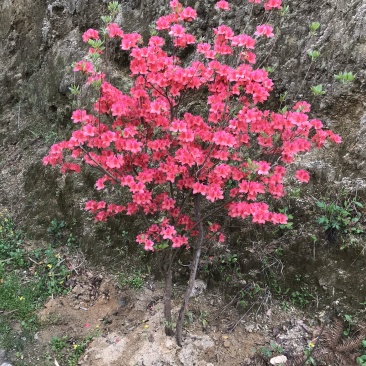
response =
{"points": [[194, 266], [168, 301]]}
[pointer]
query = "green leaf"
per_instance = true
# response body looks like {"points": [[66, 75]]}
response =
{"points": [[320, 204]]}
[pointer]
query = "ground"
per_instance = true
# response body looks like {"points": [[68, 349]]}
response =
{"points": [[119, 326], [93, 316]]}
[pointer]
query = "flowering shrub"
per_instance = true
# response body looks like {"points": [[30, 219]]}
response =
{"points": [[170, 163]]}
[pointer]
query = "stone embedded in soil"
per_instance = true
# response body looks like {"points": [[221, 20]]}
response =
{"points": [[77, 290], [278, 360]]}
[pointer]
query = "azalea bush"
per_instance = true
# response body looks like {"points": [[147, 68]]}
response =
{"points": [[176, 168]]}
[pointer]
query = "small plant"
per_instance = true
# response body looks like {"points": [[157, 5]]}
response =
{"points": [[58, 344], [348, 325], [269, 69], [308, 354], [270, 351], [285, 10], [203, 319], [74, 90], [318, 90], [189, 318], [10, 243], [345, 77], [361, 360], [283, 97], [340, 218], [69, 352], [314, 27], [134, 280], [313, 54], [56, 231]]}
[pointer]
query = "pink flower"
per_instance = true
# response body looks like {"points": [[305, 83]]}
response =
{"points": [[264, 30], [188, 14], [302, 176], [223, 138], [114, 30], [214, 192], [199, 188], [179, 240], [149, 245], [130, 40], [263, 167], [69, 168], [79, 115], [224, 5], [84, 66], [87, 325], [302, 107], [278, 218], [168, 232], [214, 227], [90, 34], [271, 4], [334, 137], [156, 41], [177, 30], [163, 23]]}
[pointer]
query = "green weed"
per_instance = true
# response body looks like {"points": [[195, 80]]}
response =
{"points": [[345, 77], [361, 360], [340, 218], [27, 279], [318, 90], [135, 280], [313, 54], [314, 27], [67, 352], [270, 351]]}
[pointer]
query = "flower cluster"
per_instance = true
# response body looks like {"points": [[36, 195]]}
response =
{"points": [[146, 138]]}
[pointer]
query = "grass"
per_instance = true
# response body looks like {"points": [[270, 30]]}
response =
{"points": [[27, 279], [68, 353]]}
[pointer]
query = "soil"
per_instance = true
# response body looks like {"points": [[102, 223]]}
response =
{"points": [[128, 327]]}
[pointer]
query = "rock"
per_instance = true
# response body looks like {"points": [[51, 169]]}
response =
{"points": [[169, 343], [77, 290], [278, 360], [249, 328], [198, 288]]}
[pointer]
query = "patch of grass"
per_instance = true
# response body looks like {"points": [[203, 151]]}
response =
{"points": [[68, 352], [27, 279], [134, 280]]}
